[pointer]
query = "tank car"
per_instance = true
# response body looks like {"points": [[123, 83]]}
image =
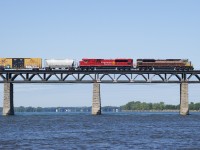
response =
{"points": [[95, 64], [21, 63], [59, 64], [167, 64]]}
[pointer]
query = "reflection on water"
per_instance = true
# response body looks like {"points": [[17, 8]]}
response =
{"points": [[108, 131]]}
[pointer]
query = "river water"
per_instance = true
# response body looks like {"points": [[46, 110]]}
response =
{"points": [[108, 131]]}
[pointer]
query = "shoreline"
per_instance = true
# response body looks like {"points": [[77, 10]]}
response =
{"points": [[157, 110]]}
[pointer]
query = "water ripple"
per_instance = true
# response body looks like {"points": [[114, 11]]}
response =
{"points": [[108, 131]]}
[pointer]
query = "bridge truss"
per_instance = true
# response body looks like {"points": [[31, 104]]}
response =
{"points": [[102, 76]]}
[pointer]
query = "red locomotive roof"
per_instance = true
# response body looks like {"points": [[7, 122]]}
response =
{"points": [[107, 59]]}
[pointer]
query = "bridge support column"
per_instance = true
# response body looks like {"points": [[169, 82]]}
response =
{"points": [[8, 107], [96, 100], [184, 107]]}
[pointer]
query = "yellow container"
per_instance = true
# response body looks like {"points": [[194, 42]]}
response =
{"points": [[32, 63], [6, 62]]}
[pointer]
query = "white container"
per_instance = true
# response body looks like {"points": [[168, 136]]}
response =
{"points": [[59, 63]]}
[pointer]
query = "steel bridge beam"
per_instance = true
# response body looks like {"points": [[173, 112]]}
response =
{"points": [[8, 77], [101, 76]]}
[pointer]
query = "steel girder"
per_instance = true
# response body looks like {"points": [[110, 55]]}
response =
{"points": [[102, 76]]}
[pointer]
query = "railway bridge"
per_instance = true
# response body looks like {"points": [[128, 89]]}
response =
{"points": [[11, 77]]}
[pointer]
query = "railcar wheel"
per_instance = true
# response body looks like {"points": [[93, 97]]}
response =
{"points": [[150, 68], [146, 68], [187, 69]]}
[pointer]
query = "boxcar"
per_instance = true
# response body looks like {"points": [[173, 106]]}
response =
{"points": [[170, 64], [21, 63], [95, 64]]}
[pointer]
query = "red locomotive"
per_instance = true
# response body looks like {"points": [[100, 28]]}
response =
{"points": [[117, 64]]}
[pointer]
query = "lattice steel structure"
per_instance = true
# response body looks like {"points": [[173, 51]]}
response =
{"points": [[102, 76]]}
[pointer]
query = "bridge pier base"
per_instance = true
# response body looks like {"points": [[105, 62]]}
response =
{"points": [[96, 100], [8, 107], [184, 107]]}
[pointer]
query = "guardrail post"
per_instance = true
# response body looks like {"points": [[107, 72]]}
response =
{"points": [[8, 107], [96, 100], [184, 107]]}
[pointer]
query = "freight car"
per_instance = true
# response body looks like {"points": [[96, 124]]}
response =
{"points": [[20, 63], [68, 64], [95, 64], [169, 64]]}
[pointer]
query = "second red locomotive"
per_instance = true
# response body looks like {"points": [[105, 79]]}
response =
{"points": [[167, 64]]}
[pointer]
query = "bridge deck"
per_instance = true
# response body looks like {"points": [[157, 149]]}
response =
{"points": [[101, 76]]}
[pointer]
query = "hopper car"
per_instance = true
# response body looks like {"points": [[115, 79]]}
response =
{"points": [[68, 64]]}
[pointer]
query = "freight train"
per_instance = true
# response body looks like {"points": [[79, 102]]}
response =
{"points": [[95, 64]]}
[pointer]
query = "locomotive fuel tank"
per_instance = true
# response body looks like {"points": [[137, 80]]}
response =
{"points": [[59, 63]]}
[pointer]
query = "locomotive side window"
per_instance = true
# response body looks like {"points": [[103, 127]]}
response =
{"points": [[121, 60], [148, 60], [98, 60]]}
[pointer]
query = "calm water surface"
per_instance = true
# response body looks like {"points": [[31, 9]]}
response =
{"points": [[108, 131]]}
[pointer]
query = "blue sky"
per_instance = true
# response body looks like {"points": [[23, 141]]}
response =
{"points": [[99, 29]]}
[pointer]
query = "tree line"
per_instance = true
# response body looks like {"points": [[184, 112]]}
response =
{"points": [[137, 105], [133, 105], [61, 109]]}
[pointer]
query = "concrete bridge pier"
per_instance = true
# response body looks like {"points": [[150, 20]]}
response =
{"points": [[8, 107], [184, 106], [96, 100]]}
